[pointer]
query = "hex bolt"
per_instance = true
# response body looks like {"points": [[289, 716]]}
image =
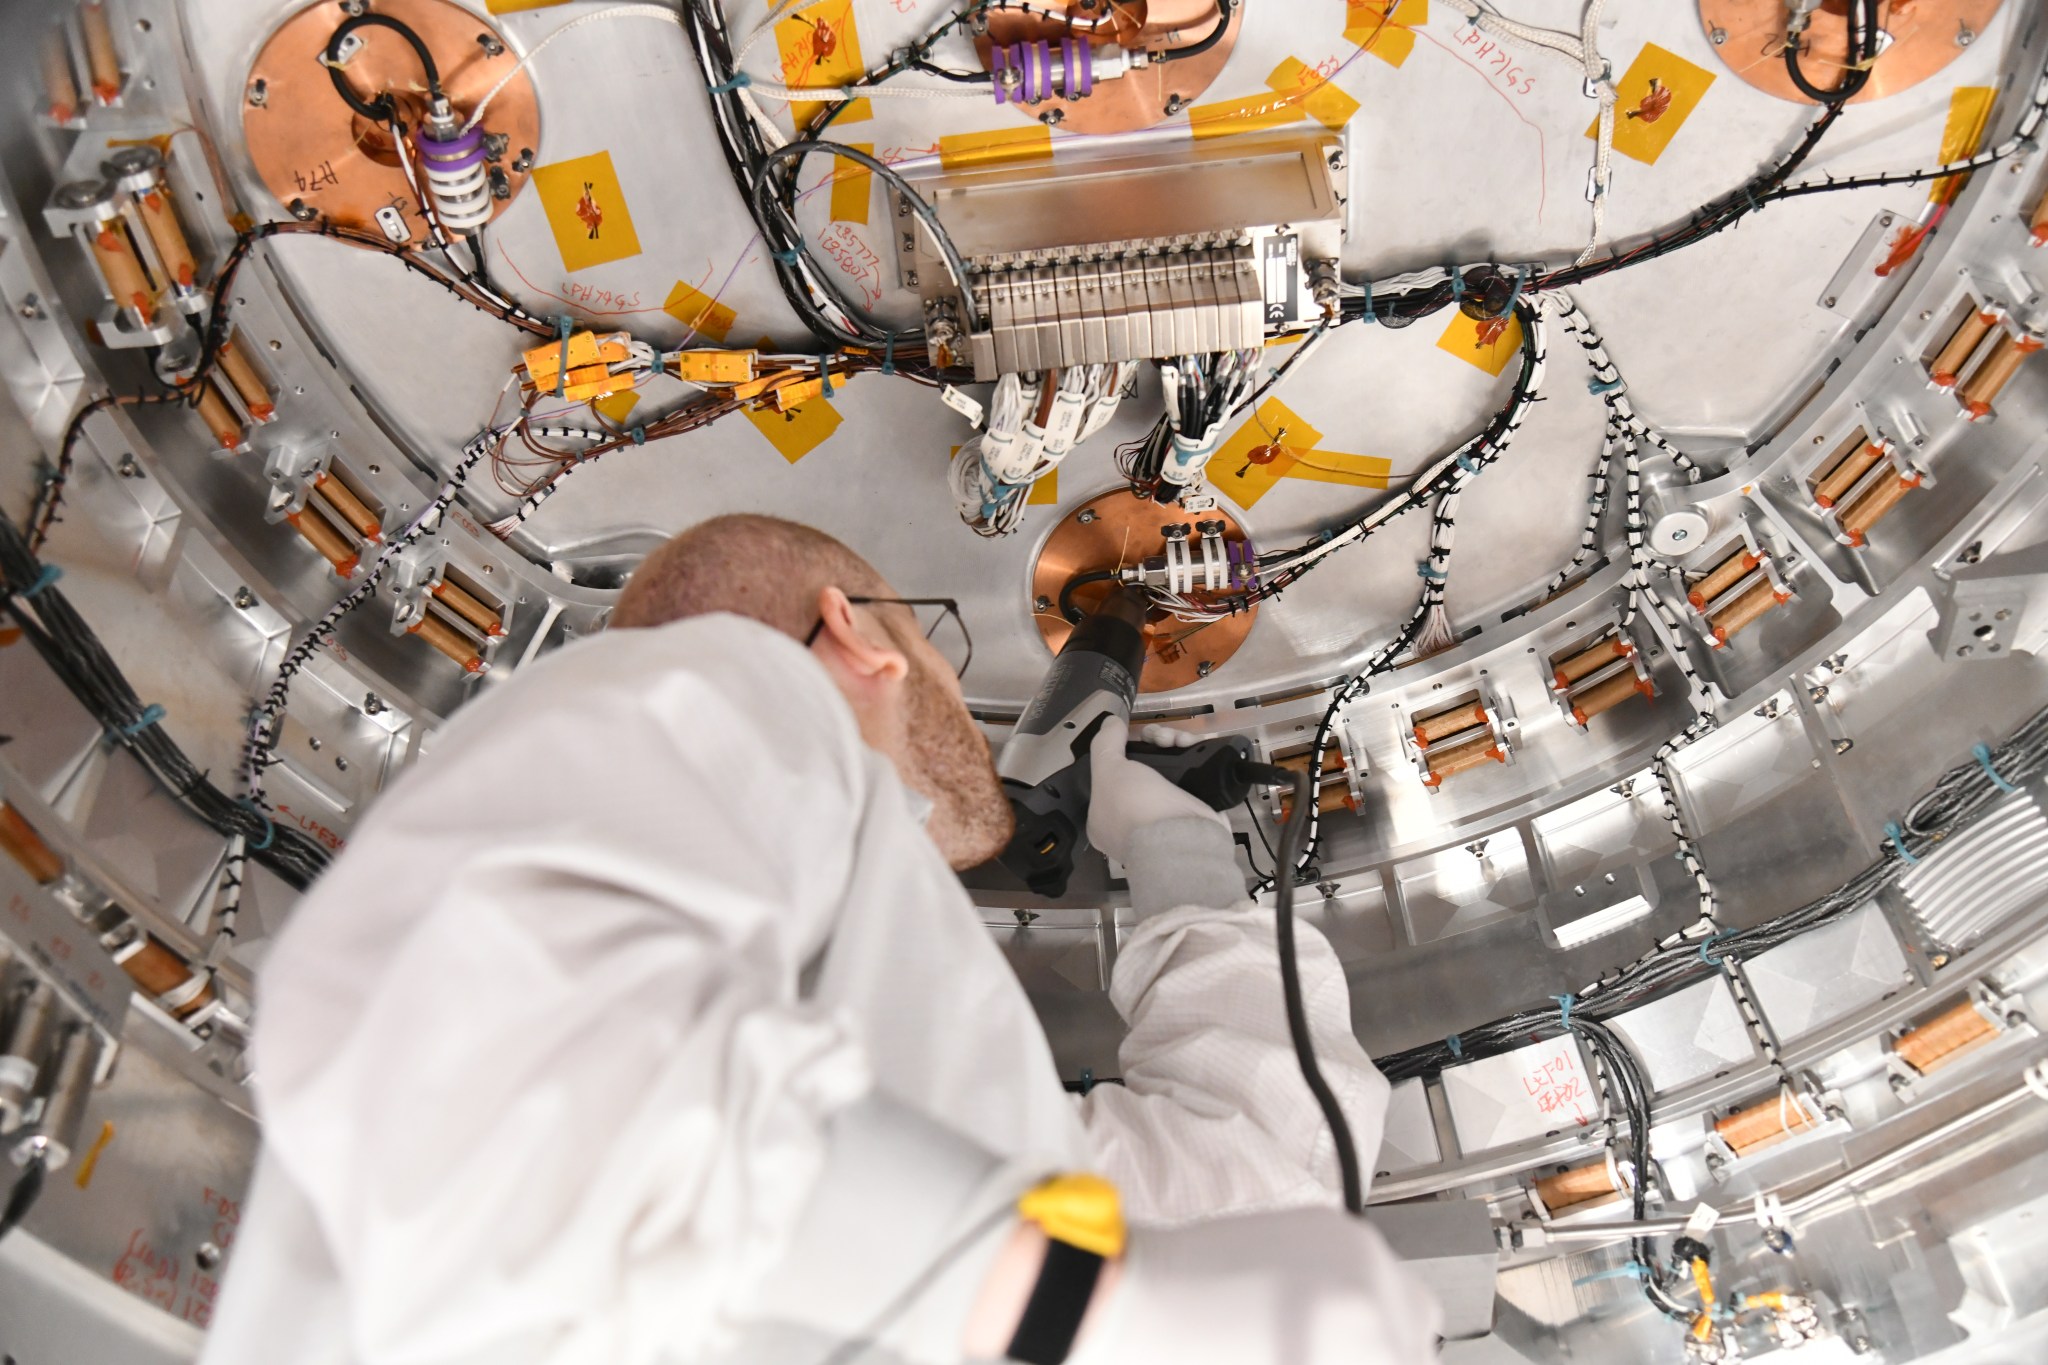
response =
{"points": [[31, 308], [1884, 220], [1174, 104], [127, 468], [1718, 35], [1205, 668], [1843, 746], [524, 161], [259, 92], [1899, 1083], [244, 599], [1052, 117], [314, 741], [372, 704], [490, 44], [1963, 35], [1085, 516], [301, 210], [1041, 603], [1828, 302], [341, 763], [207, 1256]]}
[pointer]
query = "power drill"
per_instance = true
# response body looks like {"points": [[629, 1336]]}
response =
{"points": [[1045, 766]]}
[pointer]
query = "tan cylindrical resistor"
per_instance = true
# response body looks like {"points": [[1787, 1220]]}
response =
{"points": [[247, 380], [1745, 609], [1947, 365], [1444, 763], [348, 509], [1944, 1038], [469, 608], [166, 978], [1608, 694], [1847, 470], [1568, 671], [126, 279], [1335, 796], [60, 85], [160, 220], [220, 419], [1765, 1122], [1989, 379], [19, 841], [2038, 224], [1579, 1185], [1871, 508], [1722, 577], [321, 535], [101, 59], [1445, 724], [449, 641]]}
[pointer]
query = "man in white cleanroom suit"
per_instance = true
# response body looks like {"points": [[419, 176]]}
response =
{"points": [[644, 1020]]}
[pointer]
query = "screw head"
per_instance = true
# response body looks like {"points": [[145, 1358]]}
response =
{"points": [[1884, 220], [1205, 668], [1926, 313], [490, 44], [1085, 515], [259, 92], [1041, 603], [244, 599], [206, 1256], [1680, 533], [1052, 117], [1718, 36], [301, 210], [1828, 302], [1174, 104], [31, 308], [372, 704], [340, 763], [1964, 37]]}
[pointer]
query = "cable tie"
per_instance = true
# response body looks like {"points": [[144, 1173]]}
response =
{"points": [[269, 830], [1564, 1008], [740, 81], [1456, 1045], [151, 714], [1713, 959], [889, 354], [1521, 278], [50, 574], [639, 435], [1898, 838], [564, 325], [1429, 571], [1467, 463], [825, 375], [1087, 1080], [1982, 753], [791, 256], [1457, 284], [1597, 388], [1370, 315]]}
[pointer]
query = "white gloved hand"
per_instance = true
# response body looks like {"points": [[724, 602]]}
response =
{"points": [[1127, 796], [1298, 1288]]}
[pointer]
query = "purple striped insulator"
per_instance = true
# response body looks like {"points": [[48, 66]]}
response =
{"points": [[1033, 76]]}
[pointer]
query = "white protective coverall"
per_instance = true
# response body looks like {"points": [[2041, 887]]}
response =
{"points": [[546, 1058]]}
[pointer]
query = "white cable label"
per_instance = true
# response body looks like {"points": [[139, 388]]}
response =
{"points": [[964, 404]]}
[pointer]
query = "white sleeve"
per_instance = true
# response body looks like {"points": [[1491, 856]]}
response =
{"points": [[533, 1052], [1213, 1117]]}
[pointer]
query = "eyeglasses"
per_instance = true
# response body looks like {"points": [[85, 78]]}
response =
{"points": [[939, 619]]}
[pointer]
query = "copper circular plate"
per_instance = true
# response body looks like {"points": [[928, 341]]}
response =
{"points": [[1136, 100], [1926, 35], [310, 146], [1123, 530]]}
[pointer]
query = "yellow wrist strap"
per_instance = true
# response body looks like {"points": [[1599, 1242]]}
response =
{"points": [[1082, 1210]]}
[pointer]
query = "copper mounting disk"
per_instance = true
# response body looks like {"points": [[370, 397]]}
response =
{"points": [[1926, 35], [1136, 100], [1113, 531], [310, 147]]}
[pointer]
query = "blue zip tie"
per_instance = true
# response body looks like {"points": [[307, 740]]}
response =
{"points": [[1711, 959], [639, 435], [269, 830], [740, 81], [1982, 753], [792, 256], [1521, 276], [1468, 464], [1898, 838], [1595, 387], [889, 355], [1370, 315], [1564, 1008], [1457, 1048], [151, 714], [825, 375], [1427, 570], [1457, 284], [50, 574], [1087, 1080]]}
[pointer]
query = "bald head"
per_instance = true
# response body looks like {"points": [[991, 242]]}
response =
{"points": [[763, 568]]}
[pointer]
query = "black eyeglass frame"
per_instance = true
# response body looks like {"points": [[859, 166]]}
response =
{"points": [[950, 606]]}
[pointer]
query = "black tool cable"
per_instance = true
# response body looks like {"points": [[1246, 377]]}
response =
{"points": [[1862, 47], [383, 109], [1290, 979]]}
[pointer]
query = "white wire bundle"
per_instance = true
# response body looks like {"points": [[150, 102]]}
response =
{"points": [[988, 505], [1583, 52], [1436, 633]]}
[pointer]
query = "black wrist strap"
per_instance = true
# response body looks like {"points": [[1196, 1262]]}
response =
{"points": [[1052, 1319]]}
